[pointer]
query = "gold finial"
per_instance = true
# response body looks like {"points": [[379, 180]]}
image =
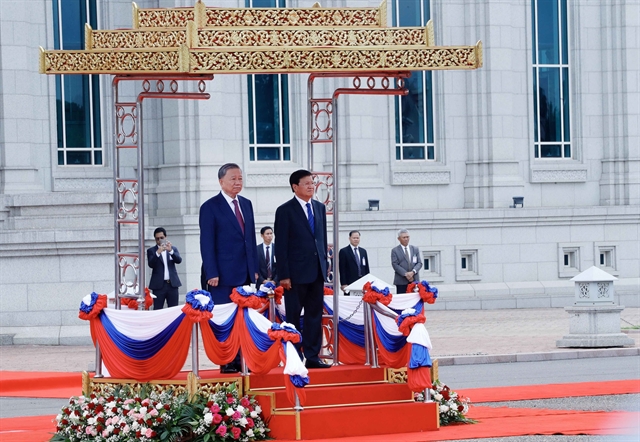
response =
{"points": [[183, 58], [479, 54], [86, 384], [200, 14], [316, 5], [41, 60], [382, 12], [429, 35], [88, 37], [136, 19]]}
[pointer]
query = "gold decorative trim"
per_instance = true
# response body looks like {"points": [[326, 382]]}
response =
{"points": [[258, 17], [140, 39], [165, 17], [397, 375], [88, 37], [200, 14], [309, 37], [357, 59], [382, 14], [112, 62], [135, 11], [270, 394], [298, 426], [183, 58], [41, 62]]}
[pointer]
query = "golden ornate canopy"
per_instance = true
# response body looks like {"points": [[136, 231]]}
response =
{"points": [[207, 40]]}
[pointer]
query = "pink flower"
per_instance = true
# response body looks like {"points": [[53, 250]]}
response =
{"points": [[245, 402], [230, 400], [149, 433], [215, 408], [236, 415], [217, 418], [250, 422], [222, 430], [153, 412], [236, 432]]}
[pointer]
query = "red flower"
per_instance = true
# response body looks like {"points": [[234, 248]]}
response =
{"points": [[250, 423], [91, 405], [167, 407], [217, 419], [236, 432], [138, 434], [460, 408], [116, 430], [245, 402], [159, 420], [209, 404]]}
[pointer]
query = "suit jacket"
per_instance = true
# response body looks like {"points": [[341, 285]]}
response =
{"points": [[300, 252], [400, 265], [157, 265], [226, 252], [262, 263], [349, 266]]}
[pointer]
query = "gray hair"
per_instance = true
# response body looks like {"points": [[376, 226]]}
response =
{"points": [[401, 231], [225, 168]]}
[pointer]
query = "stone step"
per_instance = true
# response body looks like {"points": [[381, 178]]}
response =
{"points": [[60, 203], [65, 221]]}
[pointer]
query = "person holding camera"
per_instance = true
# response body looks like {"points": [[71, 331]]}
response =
{"points": [[162, 259]]}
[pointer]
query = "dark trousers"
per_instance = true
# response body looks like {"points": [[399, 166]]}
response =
{"points": [[168, 293], [402, 288], [310, 297]]}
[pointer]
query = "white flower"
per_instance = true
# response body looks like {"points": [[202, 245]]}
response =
{"points": [[243, 421], [240, 409], [208, 418], [254, 414], [444, 409], [250, 432], [258, 409], [230, 411], [437, 397]]}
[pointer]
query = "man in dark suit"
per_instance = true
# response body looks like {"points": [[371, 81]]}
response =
{"points": [[164, 282], [301, 260], [354, 262], [228, 241], [406, 262], [266, 257]]}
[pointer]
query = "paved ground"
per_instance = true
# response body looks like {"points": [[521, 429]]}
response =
{"points": [[458, 336]]}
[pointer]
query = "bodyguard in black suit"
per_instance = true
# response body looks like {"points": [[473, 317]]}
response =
{"points": [[162, 259], [354, 262], [301, 261], [266, 257]]}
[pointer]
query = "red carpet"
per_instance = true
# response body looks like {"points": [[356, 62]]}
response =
{"points": [[493, 422]]}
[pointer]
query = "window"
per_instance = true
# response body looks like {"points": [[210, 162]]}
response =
{"points": [[77, 96], [605, 257], [268, 108], [414, 112], [568, 260], [431, 265], [467, 267], [551, 112]]}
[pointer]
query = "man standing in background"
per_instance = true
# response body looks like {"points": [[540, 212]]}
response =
{"points": [[228, 242], [301, 260], [406, 262], [354, 262], [164, 282], [266, 257]]}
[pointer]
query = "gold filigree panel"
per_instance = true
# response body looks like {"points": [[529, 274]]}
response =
{"points": [[164, 18], [368, 59], [311, 37], [110, 62], [397, 375], [132, 39], [357, 17]]}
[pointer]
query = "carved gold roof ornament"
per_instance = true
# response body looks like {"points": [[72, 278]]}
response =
{"points": [[202, 40]]}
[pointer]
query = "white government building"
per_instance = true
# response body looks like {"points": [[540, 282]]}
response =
{"points": [[553, 116]]}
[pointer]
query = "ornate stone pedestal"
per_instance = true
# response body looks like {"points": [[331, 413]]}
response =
{"points": [[595, 326]]}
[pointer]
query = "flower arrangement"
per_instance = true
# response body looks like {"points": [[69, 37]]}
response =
{"points": [[152, 416], [452, 407]]}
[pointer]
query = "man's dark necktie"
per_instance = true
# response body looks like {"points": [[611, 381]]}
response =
{"points": [[355, 252], [312, 222], [238, 215], [268, 259]]}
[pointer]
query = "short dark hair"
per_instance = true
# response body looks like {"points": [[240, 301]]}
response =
{"points": [[159, 230], [264, 229], [225, 168], [352, 232], [297, 176]]}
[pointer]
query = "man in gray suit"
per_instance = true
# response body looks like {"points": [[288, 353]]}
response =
{"points": [[406, 262]]}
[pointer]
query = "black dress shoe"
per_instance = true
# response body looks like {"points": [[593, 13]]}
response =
{"points": [[316, 364], [228, 369]]}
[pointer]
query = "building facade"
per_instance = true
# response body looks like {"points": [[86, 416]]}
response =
{"points": [[511, 179]]}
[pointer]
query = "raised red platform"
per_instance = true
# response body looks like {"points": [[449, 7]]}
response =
{"points": [[342, 401]]}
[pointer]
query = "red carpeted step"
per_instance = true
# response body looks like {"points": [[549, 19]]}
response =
{"points": [[349, 394], [40, 384], [340, 374], [356, 421]]}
